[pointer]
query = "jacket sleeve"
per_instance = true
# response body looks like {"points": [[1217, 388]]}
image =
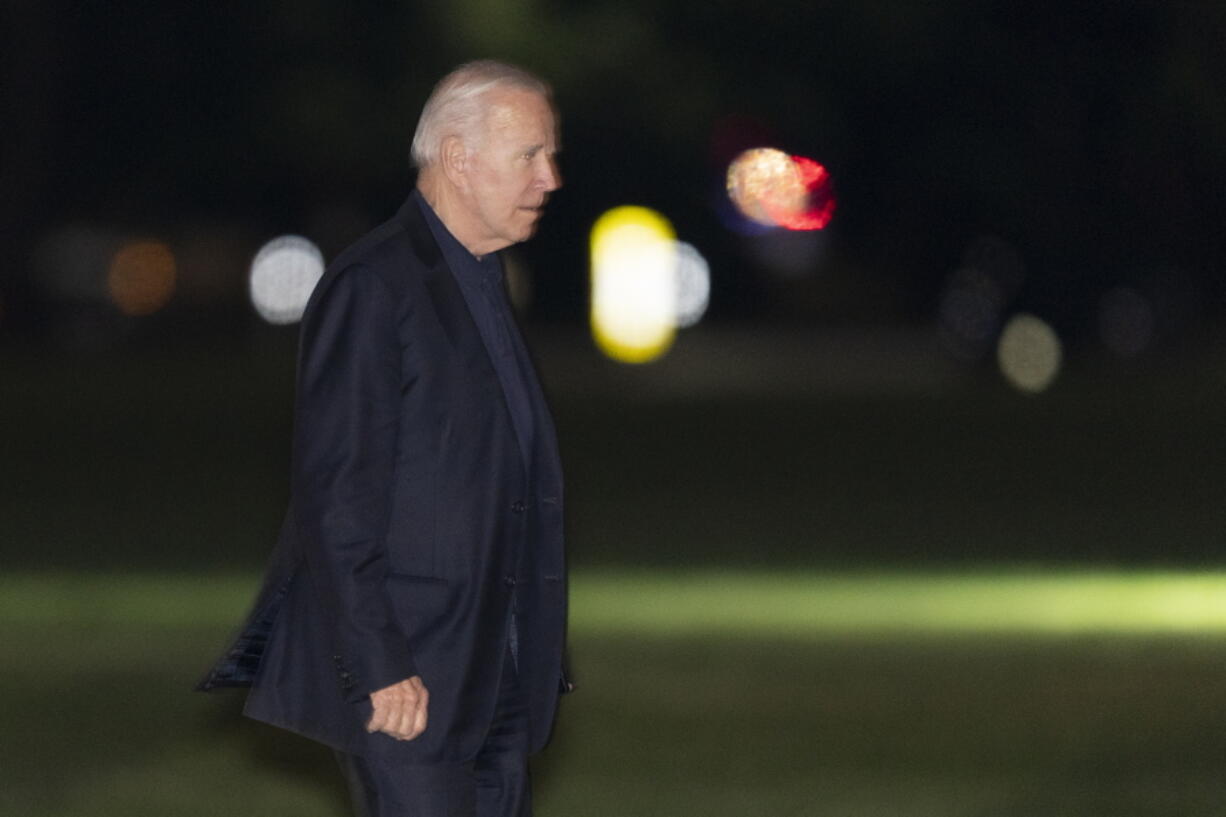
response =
{"points": [[345, 441]]}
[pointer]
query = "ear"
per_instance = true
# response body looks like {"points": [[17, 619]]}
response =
{"points": [[453, 157]]}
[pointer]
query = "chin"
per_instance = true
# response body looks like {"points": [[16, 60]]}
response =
{"points": [[526, 232]]}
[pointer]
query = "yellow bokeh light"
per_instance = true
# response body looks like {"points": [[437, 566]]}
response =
{"points": [[634, 284], [141, 277], [1029, 353]]}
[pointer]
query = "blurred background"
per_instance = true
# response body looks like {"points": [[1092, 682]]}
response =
{"points": [[908, 503]]}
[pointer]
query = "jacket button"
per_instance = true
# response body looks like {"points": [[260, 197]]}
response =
{"points": [[509, 581], [517, 506]]}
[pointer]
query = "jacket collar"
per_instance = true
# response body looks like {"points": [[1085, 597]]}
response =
{"points": [[418, 231]]}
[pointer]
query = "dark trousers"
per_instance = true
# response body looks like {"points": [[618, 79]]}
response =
{"points": [[494, 784]]}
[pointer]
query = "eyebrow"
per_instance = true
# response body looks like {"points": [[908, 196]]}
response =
{"points": [[532, 150]]}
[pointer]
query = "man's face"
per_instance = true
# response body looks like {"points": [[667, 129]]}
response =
{"points": [[510, 169]]}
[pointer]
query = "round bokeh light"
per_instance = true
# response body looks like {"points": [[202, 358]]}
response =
{"points": [[773, 189], [283, 274], [634, 284], [693, 276], [762, 175], [1029, 353], [141, 277]]}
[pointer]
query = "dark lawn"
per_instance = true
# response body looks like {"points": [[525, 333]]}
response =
{"points": [[173, 461]]}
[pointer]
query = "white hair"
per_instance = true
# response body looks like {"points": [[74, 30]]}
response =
{"points": [[456, 106]]}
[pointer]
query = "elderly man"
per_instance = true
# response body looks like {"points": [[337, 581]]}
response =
{"points": [[413, 613]]}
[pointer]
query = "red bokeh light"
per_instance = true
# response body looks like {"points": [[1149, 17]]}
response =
{"points": [[819, 203]]}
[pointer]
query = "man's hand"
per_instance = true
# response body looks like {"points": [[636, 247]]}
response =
{"points": [[400, 709]]}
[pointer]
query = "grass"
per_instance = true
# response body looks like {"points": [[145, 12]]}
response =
{"points": [[749, 702], [807, 605], [718, 603], [785, 603], [177, 460]]}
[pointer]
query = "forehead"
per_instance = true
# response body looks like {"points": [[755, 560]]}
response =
{"points": [[520, 116]]}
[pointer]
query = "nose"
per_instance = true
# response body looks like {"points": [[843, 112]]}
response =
{"points": [[548, 175]]}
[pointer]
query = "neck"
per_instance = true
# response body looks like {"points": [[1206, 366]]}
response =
{"points": [[445, 200]]}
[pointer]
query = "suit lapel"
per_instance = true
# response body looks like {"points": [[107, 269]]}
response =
{"points": [[448, 301], [451, 309], [461, 330]]}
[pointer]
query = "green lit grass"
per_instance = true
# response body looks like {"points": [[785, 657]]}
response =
{"points": [[800, 605], [706, 693], [723, 602]]}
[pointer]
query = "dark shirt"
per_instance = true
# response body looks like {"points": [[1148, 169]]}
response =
{"points": [[484, 288]]}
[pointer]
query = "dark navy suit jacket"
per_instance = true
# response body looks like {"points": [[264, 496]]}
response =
{"points": [[414, 519]]}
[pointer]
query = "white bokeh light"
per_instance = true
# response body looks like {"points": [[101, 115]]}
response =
{"points": [[1029, 353], [693, 285], [283, 274]]}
